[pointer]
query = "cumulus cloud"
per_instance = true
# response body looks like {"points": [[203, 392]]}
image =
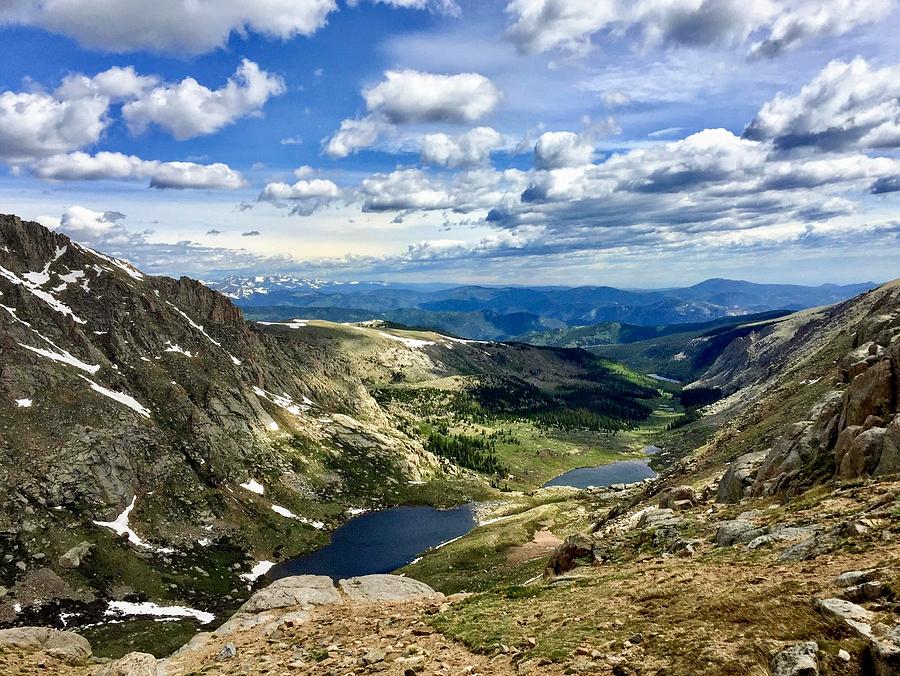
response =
{"points": [[305, 196], [168, 25], [188, 175], [354, 135], [406, 97], [189, 109], [250, 233], [846, 105], [571, 25], [557, 149], [116, 84], [415, 190], [442, 6], [36, 124], [473, 147], [402, 190], [80, 166]]}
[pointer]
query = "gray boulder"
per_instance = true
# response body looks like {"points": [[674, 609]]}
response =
{"points": [[728, 532], [299, 590], [739, 477], [369, 588], [678, 496], [132, 664], [855, 577], [65, 646], [577, 550], [798, 660], [853, 616], [73, 557]]}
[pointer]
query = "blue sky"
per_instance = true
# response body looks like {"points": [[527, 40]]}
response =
{"points": [[516, 141]]}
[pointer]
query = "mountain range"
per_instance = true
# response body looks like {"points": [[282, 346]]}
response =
{"points": [[504, 313]]}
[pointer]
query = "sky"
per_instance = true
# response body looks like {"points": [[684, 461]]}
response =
{"points": [[574, 142]]}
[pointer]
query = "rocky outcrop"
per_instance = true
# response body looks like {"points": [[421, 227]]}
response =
{"points": [[739, 477], [853, 430], [374, 588], [132, 664], [65, 646], [299, 590], [576, 550], [798, 660]]}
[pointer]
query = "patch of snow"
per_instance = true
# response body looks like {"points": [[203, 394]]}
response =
{"points": [[283, 511], [121, 397], [293, 324], [254, 487], [273, 426], [283, 400], [125, 266], [12, 311], [196, 326], [356, 511], [318, 525], [153, 609], [23, 403], [64, 357], [235, 360], [409, 342], [257, 571], [36, 291], [120, 526], [444, 544], [204, 542], [100, 333], [65, 280], [172, 347], [17, 607]]}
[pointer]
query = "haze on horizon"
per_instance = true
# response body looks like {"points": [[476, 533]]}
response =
{"points": [[527, 142]]}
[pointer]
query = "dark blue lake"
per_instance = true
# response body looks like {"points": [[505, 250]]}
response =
{"points": [[623, 472], [380, 542]]}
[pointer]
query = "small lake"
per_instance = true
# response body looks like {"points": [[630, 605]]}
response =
{"points": [[623, 472], [381, 542]]}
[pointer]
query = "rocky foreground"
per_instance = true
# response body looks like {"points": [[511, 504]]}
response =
{"points": [[303, 624]]}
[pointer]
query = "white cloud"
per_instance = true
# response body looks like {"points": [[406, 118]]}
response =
{"points": [[802, 20], [38, 124], [443, 6], [81, 166], [401, 190], [306, 196], [473, 147], [354, 135], [406, 97], [409, 96], [189, 109], [557, 149], [168, 25], [187, 175], [846, 105], [116, 84], [544, 25]]}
